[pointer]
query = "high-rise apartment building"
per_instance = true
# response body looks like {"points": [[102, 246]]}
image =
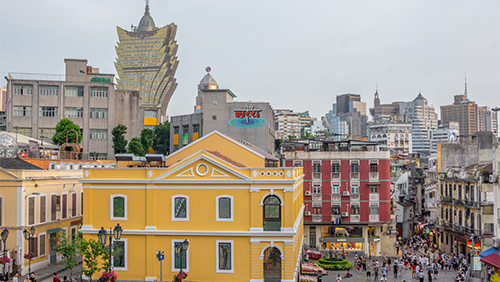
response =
{"points": [[424, 121], [287, 124], [346, 191], [395, 136], [337, 127], [146, 61], [487, 119], [463, 111]]}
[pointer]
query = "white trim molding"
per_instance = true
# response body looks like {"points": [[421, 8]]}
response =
{"points": [[34, 210], [44, 245], [217, 270], [231, 208], [172, 252], [173, 208], [271, 246], [39, 206], [87, 229], [111, 207], [271, 194]]}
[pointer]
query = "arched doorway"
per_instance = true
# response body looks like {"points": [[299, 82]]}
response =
{"points": [[272, 265]]}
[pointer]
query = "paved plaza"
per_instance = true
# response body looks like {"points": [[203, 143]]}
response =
{"points": [[443, 276]]}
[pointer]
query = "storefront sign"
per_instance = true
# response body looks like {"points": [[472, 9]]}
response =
{"points": [[476, 263], [249, 117]]}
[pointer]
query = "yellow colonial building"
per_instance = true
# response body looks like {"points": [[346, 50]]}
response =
{"points": [[241, 215], [48, 200]]}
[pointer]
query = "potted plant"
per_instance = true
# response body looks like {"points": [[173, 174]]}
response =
{"points": [[4, 260], [179, 276], [29, 256], [108, 276]]}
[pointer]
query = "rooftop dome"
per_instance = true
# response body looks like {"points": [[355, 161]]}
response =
{"points": [[147, 23]]}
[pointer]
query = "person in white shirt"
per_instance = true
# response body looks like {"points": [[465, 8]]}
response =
{"points": [[15, 278], [339, 279]]}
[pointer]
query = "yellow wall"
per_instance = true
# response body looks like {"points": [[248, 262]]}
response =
{"points": [[202, 177]]}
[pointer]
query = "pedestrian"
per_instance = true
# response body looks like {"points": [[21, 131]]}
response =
{"points": [[429, 275], [395, 270], [375, 271], [27, 279], [339, 279], [383, 279], [15, 278], [32, 277], [65, 279], [319, 276], [55, 278], [421, 276]]}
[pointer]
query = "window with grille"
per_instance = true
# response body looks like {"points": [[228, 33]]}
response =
{"points": [[196, 128], [49, 90], [225, 256], [297, 163], [374, 189], [73, 91], [336, 166], [272, 214], [373, 209], [335, 210], [355, 209], [373, 167], [354, 167], [152, 114], [354, 189], [98, 134], [23, 89], [98, 113], [98, 156], [176, 130], [316, 166], [335, 189], [48, 111], [22, 111], [317, 188], [99, 92], [46, 133], [73, 112]]}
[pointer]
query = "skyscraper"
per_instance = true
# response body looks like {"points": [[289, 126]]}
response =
{"points": [[146, 61]]}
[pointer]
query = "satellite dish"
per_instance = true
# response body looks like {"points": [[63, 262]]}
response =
{"points": [[208, 69]]}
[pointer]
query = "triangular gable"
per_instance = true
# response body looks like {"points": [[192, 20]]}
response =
{"points": [[7, 175], [225, 145], [202, 166]]}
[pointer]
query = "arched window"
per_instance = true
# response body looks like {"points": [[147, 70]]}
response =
{"points": [[180, 208], [272, 213], [118, 207]]}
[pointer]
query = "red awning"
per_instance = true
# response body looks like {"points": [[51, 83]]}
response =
{"points": [[492, 260]]}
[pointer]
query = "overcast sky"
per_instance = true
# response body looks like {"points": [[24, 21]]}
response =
{"points": [[294, 54]]}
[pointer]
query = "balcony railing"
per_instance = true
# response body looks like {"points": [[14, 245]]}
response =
{"points": [[355, 197], [316, 204], [354, 218], [446, 200], [374, 218], [354, 175], [316, 197], [374, 197], [472, 204], [316, 175], [335, 175], [373, 177], [336, 198], [317, 217]]}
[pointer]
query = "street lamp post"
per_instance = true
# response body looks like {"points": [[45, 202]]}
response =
{"points": [[28, 235], [5, 235], [102, 235], [181, 250]]}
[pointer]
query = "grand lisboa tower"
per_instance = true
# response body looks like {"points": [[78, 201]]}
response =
{"points": [[146, 61]]}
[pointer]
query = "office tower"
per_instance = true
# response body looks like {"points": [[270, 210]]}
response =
{"points": [[463, 111], [146, 61], [424, 121]]}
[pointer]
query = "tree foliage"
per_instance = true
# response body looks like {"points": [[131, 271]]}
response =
{"points": [[93, 253], [161, 141], [119, 141], [62, 127], [70, 250], [135, 147], [147, 136]]}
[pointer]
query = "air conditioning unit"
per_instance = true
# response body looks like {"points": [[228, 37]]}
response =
{"points": [[345, 193], [307, 213], [492, 178], [344, 214], [308, 193]]}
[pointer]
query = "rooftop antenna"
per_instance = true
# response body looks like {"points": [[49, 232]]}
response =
{"points": [[465, 92]]}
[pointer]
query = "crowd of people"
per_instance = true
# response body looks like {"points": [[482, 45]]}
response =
{"points": [[418, 255]]}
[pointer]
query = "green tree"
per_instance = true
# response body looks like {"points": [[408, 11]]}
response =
{"points": [[93, 253], [135, 147], [62, 127], [147, 136], [119, 141], [161, 141], [69, 249]]}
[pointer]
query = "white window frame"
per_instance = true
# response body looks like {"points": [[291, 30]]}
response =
{"points": [[70, 230], [45, 245], [125, 255], [297, 162], [57, 212], [315, 186], [173, 208], [336, 184], [3, 211], [217, 270], [28, 210], [173, 256], [81, 200], [111, 206], [354, 185], [217, 218]]}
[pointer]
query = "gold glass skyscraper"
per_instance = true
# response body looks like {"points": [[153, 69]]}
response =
{"points": [[146, 61]]}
